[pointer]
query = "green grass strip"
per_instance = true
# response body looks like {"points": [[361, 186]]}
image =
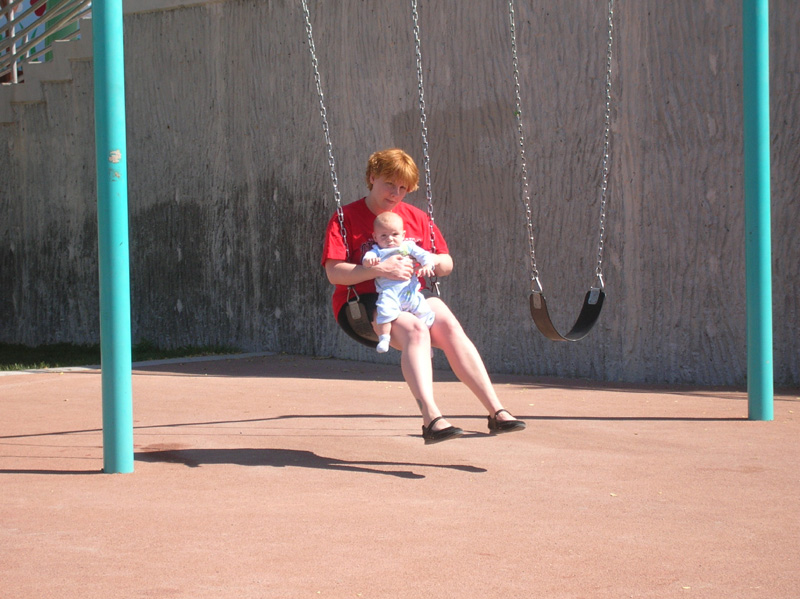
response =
{"points": [[60, 355]]}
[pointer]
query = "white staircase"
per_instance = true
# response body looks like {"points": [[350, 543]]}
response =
{"points": [[29, 91]]}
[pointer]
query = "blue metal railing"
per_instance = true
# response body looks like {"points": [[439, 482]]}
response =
{"points": [[27, 31]]}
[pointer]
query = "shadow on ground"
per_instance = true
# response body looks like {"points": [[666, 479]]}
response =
{"points": [[283, 458]]}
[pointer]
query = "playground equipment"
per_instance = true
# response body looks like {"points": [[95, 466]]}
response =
{"points": [[117, 421], [29, 30], [593, 302]]}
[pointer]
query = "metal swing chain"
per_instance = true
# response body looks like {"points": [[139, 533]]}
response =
{"points": [[535, 283], [324, 115], [423, 122], [606, 144], [526, 196]]}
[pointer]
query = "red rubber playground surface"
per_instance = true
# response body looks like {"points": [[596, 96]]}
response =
{"points": [[283, 476]]}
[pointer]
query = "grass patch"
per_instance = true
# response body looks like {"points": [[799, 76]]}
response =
{"points": [[59, 355]]}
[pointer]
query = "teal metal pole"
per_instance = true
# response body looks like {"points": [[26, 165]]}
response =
{"points": [[758, 254], [112, 220]]}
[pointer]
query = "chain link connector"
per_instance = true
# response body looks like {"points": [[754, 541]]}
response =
{"points": [[434, 283], [536, 285], [601, 283]]}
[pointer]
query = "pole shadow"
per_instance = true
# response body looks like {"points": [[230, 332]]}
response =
{"points": [[48, 472]]}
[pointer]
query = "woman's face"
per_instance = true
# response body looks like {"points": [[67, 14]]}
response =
{"points": [[386, 194]]}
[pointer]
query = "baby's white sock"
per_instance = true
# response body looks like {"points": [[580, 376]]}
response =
{"points": [[383, 343]]}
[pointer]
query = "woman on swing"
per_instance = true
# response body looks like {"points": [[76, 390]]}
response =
{"points": [[391, 174]]}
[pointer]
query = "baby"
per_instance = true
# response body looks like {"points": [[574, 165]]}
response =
{"points": [[397, 296]]}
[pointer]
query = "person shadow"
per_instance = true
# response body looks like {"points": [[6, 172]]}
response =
{"points": [[285, 458]]}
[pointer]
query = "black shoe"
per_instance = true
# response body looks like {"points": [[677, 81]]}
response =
{"points": [[505, 426], [431, 436]]}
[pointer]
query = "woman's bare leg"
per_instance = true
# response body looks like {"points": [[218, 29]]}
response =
{"points": [[412, 338], [448, 335]]}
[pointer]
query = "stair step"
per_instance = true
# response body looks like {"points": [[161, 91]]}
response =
{"points": [[36, 73]]}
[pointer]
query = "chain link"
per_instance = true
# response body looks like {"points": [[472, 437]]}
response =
{"points": [[535, 282], [426, 159], [325, 130]]}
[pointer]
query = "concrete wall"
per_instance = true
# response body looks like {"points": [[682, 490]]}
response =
{"points": [[230, 191]]}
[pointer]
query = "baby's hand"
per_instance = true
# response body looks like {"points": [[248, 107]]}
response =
{"points": [[425, 271], [370, 261]]}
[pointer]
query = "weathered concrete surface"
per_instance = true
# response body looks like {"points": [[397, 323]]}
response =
{"points": [[230, 191], [294, 477]]}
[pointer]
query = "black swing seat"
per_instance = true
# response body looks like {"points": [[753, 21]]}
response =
{"points": [[354, 319], [590, 312]]}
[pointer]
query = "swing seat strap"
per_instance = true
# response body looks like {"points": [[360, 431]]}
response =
{"points": [[590, 312], [359, 321]]}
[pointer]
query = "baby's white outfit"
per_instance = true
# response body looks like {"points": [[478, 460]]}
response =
{"points": [[401, 296]]}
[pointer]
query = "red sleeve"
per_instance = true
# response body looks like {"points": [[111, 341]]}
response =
{"points": [[357, 222], [333, 247], [416, 222]]}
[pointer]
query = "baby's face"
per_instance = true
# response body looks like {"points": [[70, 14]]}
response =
{"points": [[388, 237]]}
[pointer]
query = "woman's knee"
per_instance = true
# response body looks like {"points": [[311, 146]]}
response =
{"points": [[447, 326], [409, 329]]}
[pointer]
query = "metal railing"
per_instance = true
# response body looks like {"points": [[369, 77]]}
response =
{"points": [[26, 37]]}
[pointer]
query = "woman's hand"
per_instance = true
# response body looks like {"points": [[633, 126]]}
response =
{"points": [[397, 268]]}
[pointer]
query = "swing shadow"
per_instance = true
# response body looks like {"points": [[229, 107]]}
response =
{"points": [[281, 458], [285, 458], [525, 417]]}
